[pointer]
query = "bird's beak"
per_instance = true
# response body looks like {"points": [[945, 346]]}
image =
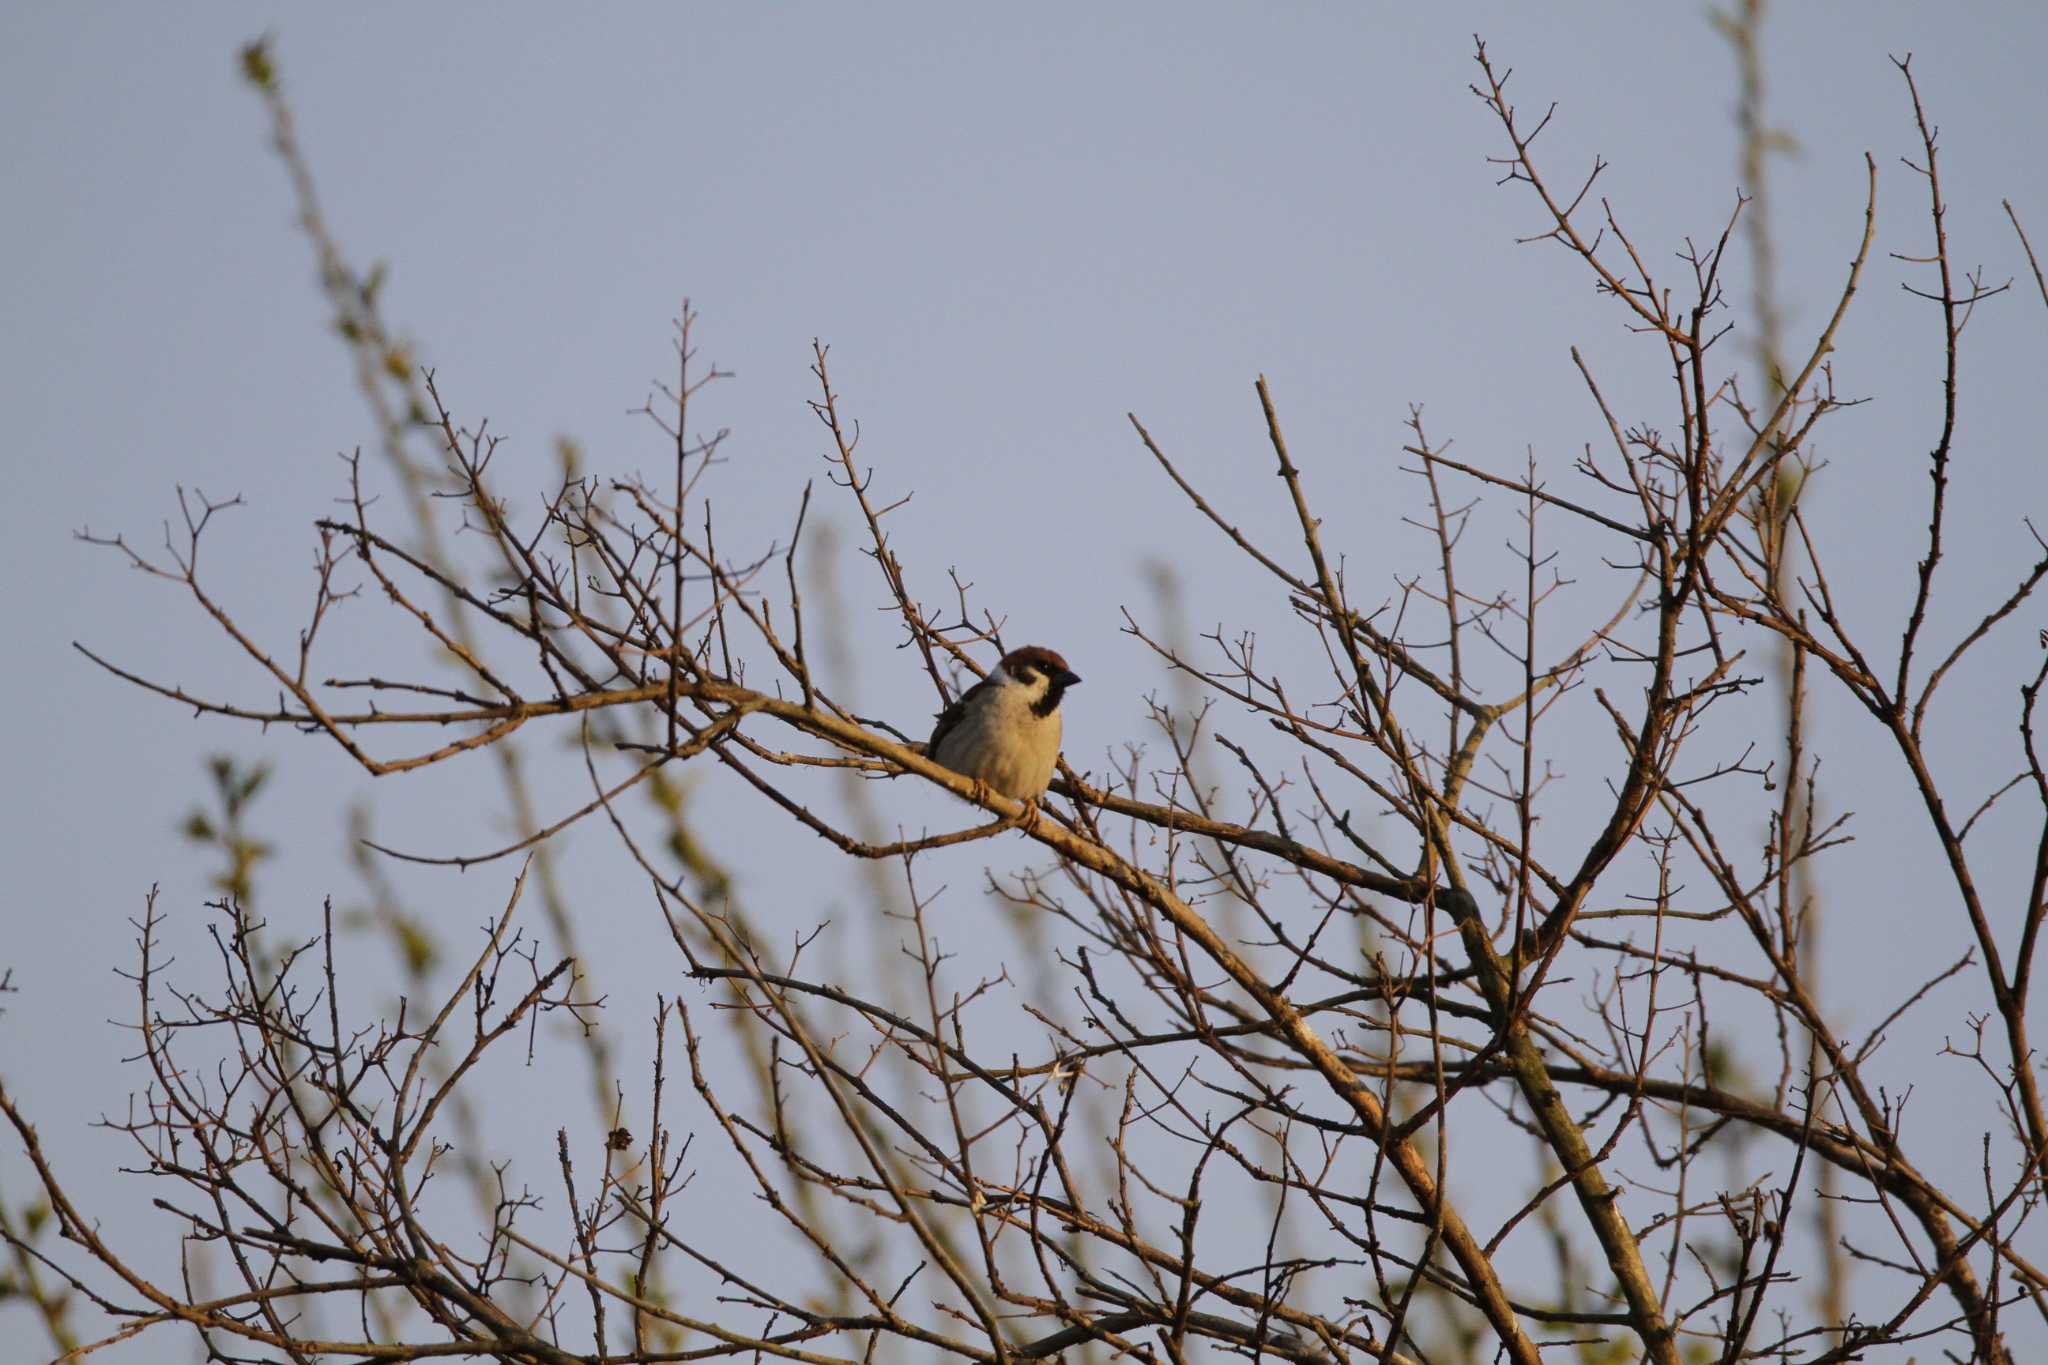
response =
{"points": [[1066, 677]]}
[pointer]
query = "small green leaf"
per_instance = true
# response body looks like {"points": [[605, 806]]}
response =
{"points": [[418, 947], [259, 68]]}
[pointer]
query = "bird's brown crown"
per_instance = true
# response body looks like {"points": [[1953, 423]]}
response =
{"points": [[1048, 661]]}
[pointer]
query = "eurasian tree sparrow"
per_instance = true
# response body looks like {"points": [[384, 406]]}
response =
{"points": [[1004, 732]]}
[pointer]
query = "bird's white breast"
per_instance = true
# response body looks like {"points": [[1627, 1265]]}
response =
{"points": [[1002, 742]]}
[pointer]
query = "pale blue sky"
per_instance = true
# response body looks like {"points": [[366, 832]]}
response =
{"points": [[1013, 226]]}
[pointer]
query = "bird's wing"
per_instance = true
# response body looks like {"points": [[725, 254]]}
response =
{"points": [[950, 717]]}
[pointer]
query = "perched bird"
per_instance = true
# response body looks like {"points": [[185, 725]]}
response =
{"points": [[1004, 732]]}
